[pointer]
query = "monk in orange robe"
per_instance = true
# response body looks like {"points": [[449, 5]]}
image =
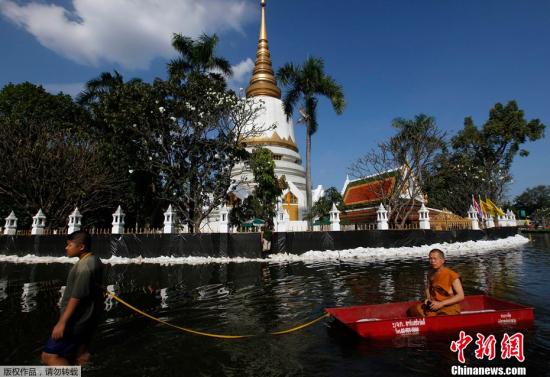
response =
{"points": [[443, 292]]}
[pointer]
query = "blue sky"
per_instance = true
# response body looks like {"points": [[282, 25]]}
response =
{"points": [[448, 59]]}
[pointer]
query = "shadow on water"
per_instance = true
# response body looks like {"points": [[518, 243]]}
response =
{"points": [[257, 298]]}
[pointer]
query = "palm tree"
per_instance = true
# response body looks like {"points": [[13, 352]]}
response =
{"points": [[308, 82], [103, 84], [197, 57]]}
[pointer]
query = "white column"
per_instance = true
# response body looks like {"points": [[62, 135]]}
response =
{"points": [[38, 223], [489, 222], [508, 218], [502, 221], [472, 215], [10, 228], [424, 217], [513, 221], [169, 221], [75, 221], [382, 218], [118, 221], [334, 218], [224, 220]]}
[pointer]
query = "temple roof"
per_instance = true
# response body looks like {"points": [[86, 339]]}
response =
{"points": [[370, 188]]}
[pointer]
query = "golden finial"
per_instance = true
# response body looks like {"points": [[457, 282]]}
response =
{"points": [[262, 82]]}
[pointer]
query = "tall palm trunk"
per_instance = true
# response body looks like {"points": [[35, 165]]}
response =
{"points": [[308, 172]]}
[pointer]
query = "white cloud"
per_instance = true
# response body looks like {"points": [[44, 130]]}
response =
{"points": [[241, 74], [128, 32], [241, 71]]}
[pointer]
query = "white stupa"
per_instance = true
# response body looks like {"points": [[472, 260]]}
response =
{"points": [[279, 139]]}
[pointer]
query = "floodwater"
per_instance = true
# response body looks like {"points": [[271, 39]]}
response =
{"points": [[261, 297]]}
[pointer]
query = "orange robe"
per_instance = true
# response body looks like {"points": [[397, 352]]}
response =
{"points": [[440, 286]]}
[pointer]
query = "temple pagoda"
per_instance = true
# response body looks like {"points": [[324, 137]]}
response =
{"points": [[280, 139]]}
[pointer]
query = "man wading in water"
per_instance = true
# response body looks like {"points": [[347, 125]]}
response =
{"points": [[81, 306], [443, 292]]}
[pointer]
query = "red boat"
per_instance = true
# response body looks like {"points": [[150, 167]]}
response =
{"points": [[390, 320]]}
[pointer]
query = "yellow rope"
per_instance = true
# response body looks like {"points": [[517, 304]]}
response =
{"points": [[219, 336], [299, 327]]}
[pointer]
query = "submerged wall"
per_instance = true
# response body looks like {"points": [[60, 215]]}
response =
{"points": [[245, 245]]}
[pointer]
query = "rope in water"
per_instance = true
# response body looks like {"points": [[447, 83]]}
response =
{"points": [[210, 335]]}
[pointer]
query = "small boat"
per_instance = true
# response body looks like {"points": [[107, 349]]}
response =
{"points": [[390, 320]]}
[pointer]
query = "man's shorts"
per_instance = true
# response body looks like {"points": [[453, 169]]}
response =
{"points": [[66, 347]]}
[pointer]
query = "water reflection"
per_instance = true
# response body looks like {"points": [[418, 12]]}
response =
{"points": [[3, 289], [163, 297], [109, 300], [28, 297], [61, 291], [387, 288]]}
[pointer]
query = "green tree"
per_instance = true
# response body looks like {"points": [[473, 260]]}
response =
{"points": [[542, 216], [452, 182], [129, 118], [27, 101], [416, 145], [532, 199], [308, 82], [198, 72], [262, 203], [480, 159], [51, 158], [322, 207], [268, 187], [494, 146]]}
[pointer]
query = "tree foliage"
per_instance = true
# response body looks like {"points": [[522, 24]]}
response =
{"points": [[268, 188], [322, 207], [480, 159], [494, 146], [51, 158], [127, 119], [532, 199], [197, 57]]}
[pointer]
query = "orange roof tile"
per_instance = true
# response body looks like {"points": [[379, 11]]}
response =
{"points": [[368, 192]]}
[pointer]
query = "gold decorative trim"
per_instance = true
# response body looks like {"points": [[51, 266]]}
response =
{"points": [[274, 140], [262, 82]]}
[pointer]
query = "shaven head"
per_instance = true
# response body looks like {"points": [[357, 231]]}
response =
{"points": [[439, 252], [82, 237]]}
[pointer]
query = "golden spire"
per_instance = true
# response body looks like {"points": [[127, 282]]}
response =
{"points": [[263, 81]]}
